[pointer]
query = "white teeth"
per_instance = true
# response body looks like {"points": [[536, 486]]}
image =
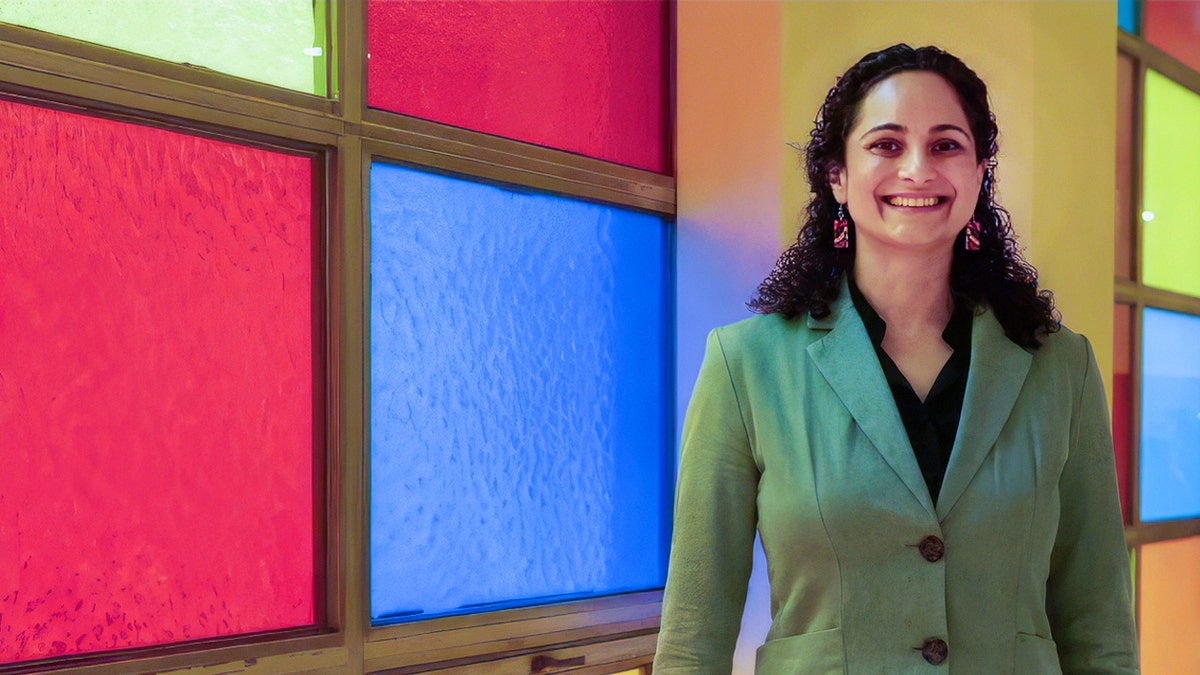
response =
{"points": [[913, 201]]}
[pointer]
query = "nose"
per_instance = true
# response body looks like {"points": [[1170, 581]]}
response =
{"points": [[917, 166]]}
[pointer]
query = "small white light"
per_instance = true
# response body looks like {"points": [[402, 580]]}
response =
{"points": [[1147, 216], [313, 51]]}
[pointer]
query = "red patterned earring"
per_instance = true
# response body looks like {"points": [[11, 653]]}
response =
{"points": [[841, 229], [971, 241]]}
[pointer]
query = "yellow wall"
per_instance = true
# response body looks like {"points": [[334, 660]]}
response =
{"points": [[751, 75]]}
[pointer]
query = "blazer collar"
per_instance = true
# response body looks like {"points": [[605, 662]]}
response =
{"points": [[847, 360], [998, 370]]}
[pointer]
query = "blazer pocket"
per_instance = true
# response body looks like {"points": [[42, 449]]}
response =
{"points": [[811, 653], [1036, 655]]}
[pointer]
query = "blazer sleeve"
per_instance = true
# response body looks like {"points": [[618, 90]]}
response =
{"points": [[715, 520], [1088, 594]]}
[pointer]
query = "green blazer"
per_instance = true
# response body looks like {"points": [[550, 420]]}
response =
{"points": [[792, 432]]}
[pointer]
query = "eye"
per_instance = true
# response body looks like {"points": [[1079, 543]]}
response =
{"points": [[885, 146], [947, 145]]}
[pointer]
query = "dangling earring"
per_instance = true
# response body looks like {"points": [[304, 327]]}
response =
{"points": [[971, 240], [841, 229]]}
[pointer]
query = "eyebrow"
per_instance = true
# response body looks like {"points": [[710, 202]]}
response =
{"points": [[937, 128]]}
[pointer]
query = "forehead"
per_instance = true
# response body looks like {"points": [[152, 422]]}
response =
{"points": [[915, 99]]}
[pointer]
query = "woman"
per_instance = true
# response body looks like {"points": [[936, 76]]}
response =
{"points": [[925, 453]]}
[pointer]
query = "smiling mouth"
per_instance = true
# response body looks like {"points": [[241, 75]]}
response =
{"points": [[914, 202]]}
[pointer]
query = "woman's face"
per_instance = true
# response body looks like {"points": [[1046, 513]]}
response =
{"points": [[910, 181]]}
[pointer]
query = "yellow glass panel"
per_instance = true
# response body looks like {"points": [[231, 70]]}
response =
{"points": [[1170, 200], [1133, 576], [1170, 604], [279, 42]]}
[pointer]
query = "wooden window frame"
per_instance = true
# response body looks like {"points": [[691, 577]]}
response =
{"points": [[612, 633], [1138, 296]]}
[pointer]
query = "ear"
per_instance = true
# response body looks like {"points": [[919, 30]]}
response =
{"points": [[837, 182]]}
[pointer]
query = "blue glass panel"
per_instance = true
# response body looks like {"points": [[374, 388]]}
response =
{"points": [[1170, 449], [519, 397], [1127, 15]]}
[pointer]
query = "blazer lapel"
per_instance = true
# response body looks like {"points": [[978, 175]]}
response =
{"points": [[998, 370], [847, 360]]}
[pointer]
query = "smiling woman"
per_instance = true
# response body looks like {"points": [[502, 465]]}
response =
{"points": [[910, 176], [906, 389]]}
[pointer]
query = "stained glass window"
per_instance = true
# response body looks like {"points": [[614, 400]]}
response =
{"points": [[156, 387], [519, 393], [1170, 201], [1174, 27], [1170, 616], [1122, 398], [587, 77], [1127, 15], [1123, 243], [279, 42], [1170, 420]]}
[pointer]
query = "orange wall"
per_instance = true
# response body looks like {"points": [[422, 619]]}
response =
{"points": [[729, 153]]}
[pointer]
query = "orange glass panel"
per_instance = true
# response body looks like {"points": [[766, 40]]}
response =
{"points": [[1122, 398], [1124, 192], [1170, 607]]}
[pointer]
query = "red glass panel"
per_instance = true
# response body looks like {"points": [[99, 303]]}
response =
{"points": [[1123, 247], [1122, 418], [156, 386], [1174, 27], [588, 76]]}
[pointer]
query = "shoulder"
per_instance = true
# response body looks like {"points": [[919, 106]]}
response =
{"points": [[762, 335], [1065, 364], [1066, 347]]}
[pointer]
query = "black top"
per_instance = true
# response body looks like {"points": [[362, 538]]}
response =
{"points": [[932, 424]]}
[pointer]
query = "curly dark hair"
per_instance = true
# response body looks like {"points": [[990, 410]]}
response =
{"points": [[807, 276]]}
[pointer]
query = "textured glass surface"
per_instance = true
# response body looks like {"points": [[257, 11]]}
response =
{"points": [[1170, 612], [586, 76], [1170, 421], [1122, 398], [1123, 225], [156, 386], [1127, 15], [1170, 200], [272, 41], [1174, 27], [519, 397]]}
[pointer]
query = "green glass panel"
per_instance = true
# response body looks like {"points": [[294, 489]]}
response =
{"points": [[1170, 174], [279, 42]]}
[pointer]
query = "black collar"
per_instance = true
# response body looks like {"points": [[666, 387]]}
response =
{"points": [[957, 333]]}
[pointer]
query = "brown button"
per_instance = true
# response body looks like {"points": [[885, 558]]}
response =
{"points": [[935, 651], [932, 548]]}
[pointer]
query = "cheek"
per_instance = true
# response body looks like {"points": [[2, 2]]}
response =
{"points": [[864, 175]]}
